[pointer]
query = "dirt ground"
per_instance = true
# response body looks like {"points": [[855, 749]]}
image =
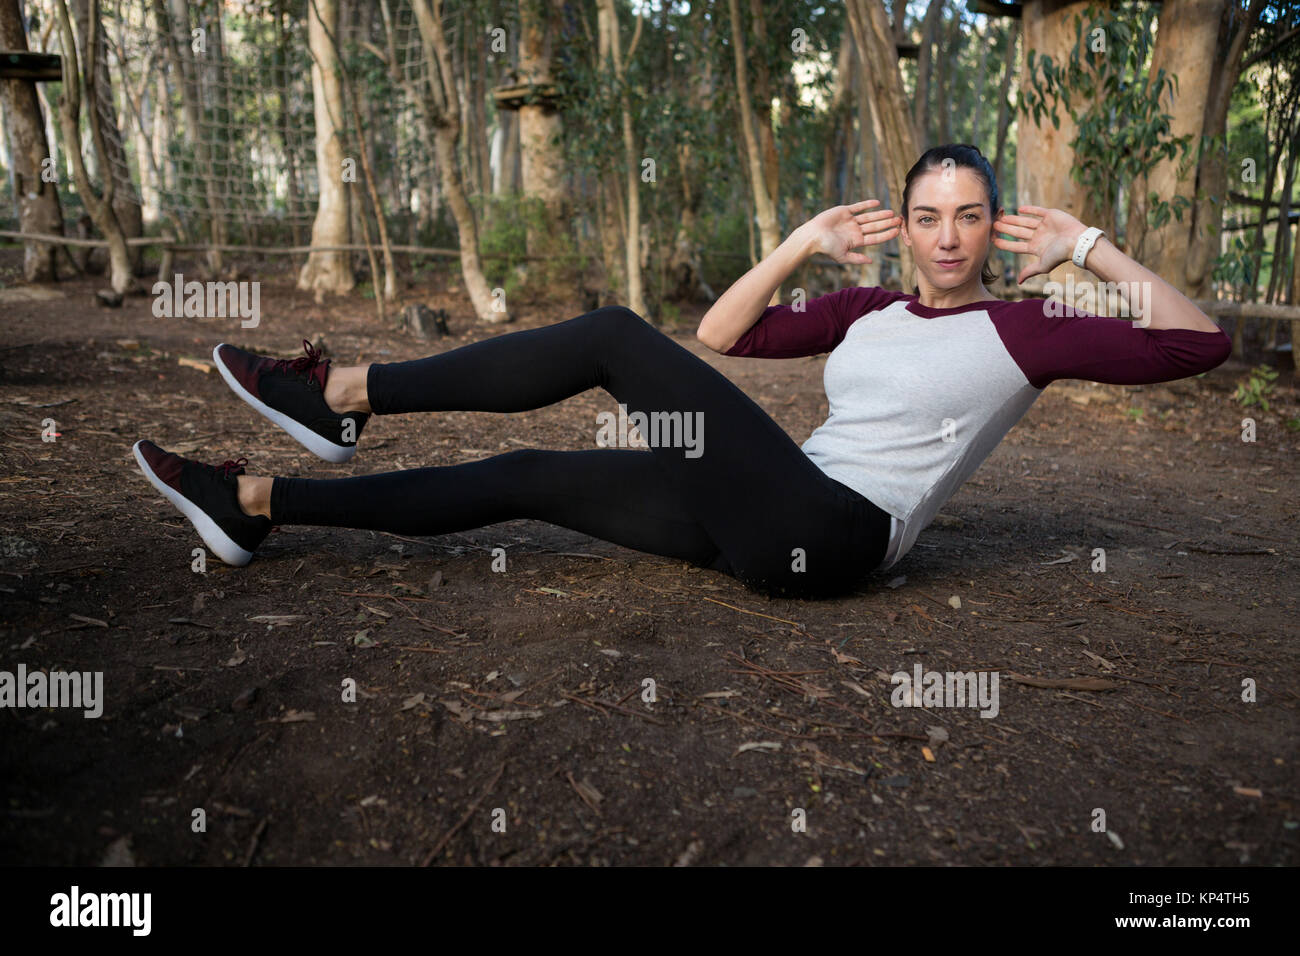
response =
{"points": [[499, 717]]}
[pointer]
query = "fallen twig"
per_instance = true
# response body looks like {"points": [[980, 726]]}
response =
{"points": [[755, 613], [252, 844], [469, 811]]}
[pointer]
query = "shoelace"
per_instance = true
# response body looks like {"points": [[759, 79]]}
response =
{"points": [[229, 468], [313, 364]]}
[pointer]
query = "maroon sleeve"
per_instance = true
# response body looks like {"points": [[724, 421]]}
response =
{"points": [[1076, 344], [785, 332]]}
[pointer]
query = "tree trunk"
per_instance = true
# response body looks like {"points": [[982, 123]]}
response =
{"points": [[924, 67], [764, 202], [327, 270], [981, 72], [99, 207], [612, 241], [1004, 95], [293, 197], [443, 110], [795, 210], [895, 134], [1206, 225], [869, 273], [635, 289], [37, 201], [126, 204], [1187, 34], [684, 263], [144, 110], [612, 213], [540, 125], [478, 100], [1272, 157], [1282, 243], [836, 148], [506, 180], [949, 58], [1045, 154], [763, 91]]}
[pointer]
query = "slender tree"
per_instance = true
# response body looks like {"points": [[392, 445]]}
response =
{"points": [[1187, 33], [769, 229], [443, 110], [110, 150], [99, 205], [895, 134], [327, 269], [36, 193], [618, 70]]}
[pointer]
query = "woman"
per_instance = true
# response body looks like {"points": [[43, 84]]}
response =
{"points": [[921, 387]]}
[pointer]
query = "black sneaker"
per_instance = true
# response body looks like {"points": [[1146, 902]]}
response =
{"points": [[208, 495], [291, 393]]}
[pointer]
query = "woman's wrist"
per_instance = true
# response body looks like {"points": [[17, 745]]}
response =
{"points": [[1104, 257], [1085, 241], [805, 241]]}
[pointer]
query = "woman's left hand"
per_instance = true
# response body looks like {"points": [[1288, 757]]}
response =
{"points": [[1050, 238]]}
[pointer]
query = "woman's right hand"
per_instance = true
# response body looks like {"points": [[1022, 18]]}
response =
{"points": [[841, 229]]}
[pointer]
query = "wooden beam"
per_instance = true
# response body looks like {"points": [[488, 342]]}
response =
{"points": [[37, 67], [1247, 310], [1292, 216], [515, 95]]}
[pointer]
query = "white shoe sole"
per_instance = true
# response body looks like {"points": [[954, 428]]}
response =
{"points": [[319, 446], [218, 542]]}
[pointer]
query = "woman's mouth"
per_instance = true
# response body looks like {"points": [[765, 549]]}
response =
{"points": [[949, 263]]}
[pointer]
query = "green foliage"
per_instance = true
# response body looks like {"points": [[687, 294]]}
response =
{"points": [[1123, 132], [724, 256], [670, 314], [1235, 267], [505, 224], [1257, 387]]}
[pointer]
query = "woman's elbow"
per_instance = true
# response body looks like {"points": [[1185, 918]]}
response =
{"points": [[713, 342]]}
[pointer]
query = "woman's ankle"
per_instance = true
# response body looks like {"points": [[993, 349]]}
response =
{"points": [[255, 495], [345, 389]]}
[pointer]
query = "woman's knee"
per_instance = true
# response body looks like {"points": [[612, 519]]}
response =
{"points": [[618, 318]]}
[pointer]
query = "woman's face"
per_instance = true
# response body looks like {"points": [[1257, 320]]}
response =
{"points": [[948, 226]]}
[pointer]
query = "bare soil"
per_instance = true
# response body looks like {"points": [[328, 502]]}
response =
{"points": [[499, 717]]}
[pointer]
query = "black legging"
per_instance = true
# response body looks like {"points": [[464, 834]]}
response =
{"points": [[752, 505]]}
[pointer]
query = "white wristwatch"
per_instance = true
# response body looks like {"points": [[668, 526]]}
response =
{"points": [[1085, 244]]}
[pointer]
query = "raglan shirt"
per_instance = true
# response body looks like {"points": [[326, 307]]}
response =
{"points": [[920, 397]]}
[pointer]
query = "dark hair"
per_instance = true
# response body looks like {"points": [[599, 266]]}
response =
{"points": [[968, 157]]}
